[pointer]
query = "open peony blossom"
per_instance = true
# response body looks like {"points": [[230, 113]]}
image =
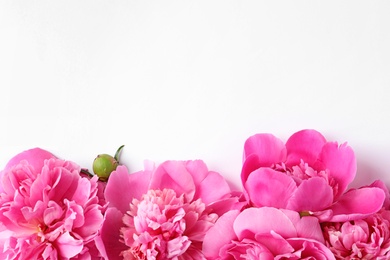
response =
{"points": [[367, 238], [265, 233], [308, 175], [163, 212], [47, 210]]}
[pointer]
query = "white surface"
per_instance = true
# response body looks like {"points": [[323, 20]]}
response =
{"points": [[193, 79]]}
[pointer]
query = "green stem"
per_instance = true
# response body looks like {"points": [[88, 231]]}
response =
{"points": [[116, 157]]}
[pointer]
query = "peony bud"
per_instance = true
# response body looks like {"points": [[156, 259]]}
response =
{"points": [[104, 164]]}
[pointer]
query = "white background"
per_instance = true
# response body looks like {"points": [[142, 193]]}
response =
{"points": [[175, 80]]}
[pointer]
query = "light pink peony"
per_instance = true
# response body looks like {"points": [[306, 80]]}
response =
{"points": [[163, 212], [47, 210], [265, 233], [308, 175]]}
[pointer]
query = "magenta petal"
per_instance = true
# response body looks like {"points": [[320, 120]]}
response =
{"points": [[262, 221], [108, 242], [267, 147], [312, 195], [304, 145], [123, 187], [341, 163], [266, 187], [251, 164], [357, 204], [219, 235], [174, 175], [35, 157]]}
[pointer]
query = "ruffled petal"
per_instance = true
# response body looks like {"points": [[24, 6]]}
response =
{"points": [[311, 195], [267, 187], [35, 157], [122, 187], [304, 145], [219, 235], [262, 221], [267, 147], [340, 161], [207, 191], [357, 204], [108, 242], [174, 175]]}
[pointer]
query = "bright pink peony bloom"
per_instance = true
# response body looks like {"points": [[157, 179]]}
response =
{"points": [[308, 175], [162, 213], [367, 238], [47, 210], [265, 233]]}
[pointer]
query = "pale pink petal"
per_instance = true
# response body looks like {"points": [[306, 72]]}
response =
{"points": [[267, 147], [174, 175], [357, 204], [206, 189], [220, 234], [340, 161], [304, 145], [35, 157], [122, 187], [312, 195], [308, 227], [198, 170], [68, 246], [261, 221], [266, 187]]}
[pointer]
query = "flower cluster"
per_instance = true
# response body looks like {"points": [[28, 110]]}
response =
{"points": [[295, 203]]}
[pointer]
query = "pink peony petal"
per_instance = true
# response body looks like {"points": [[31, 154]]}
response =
{"points": [[312, 195], [206, 189], [357, 204], [35, 157], [197, 169], [220, 234], [122, 187], [108, 241], [340, 162], [174, 175], [262, 221], [267, 147], [267, 187], [68, 245], [304, 145]]}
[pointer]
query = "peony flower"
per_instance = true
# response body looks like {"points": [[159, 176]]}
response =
{"points": [[308, 175], [367, 238], [47, 210], [163, 212], [265, 233]]}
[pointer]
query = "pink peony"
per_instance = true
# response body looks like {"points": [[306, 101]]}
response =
{"points": [[47, 210], [162, 213], [265, 233], [308, 175], [367, 238]]}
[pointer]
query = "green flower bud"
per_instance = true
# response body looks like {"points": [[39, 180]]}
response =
{"points": [[105, 164]]}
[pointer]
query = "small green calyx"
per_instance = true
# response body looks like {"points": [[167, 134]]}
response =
{"points": [[105, 164]]}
